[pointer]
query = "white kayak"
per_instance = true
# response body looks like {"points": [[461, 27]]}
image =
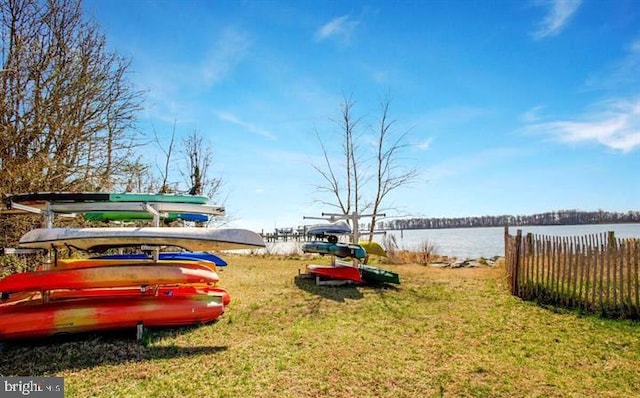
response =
{"points": [[98, 239]]}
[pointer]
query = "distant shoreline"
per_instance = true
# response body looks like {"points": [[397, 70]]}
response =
{"points": [[552, 218], [362, 232]]}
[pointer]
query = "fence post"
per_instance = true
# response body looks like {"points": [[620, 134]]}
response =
{"points": [[611, 240], [516, 263]]}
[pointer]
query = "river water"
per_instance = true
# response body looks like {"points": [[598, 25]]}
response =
{"points": [[489, 242], [466, 243]]}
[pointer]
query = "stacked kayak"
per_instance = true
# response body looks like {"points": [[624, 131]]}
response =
{"points": [[168, 256], [376, 275], [354, 272], [105, 313], [155, 287], [340, 272], [342, 250]]}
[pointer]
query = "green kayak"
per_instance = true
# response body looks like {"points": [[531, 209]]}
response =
{"points": [[378, 275]]}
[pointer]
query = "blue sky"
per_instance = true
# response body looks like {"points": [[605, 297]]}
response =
{"points": [[511, 107]]}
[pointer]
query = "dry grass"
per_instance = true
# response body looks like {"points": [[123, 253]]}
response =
{"points": [[442, 332]]}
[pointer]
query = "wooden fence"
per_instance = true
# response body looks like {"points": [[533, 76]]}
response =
{"points": [[592, 273]]}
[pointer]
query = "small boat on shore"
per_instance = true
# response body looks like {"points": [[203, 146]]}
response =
{"points": [[107, 277], [79, 263], [28, 320], [97, 239], [335, 228], [141, 215], [336, 272], [373, 248], [219, 262], [165, 290], [372, 274], [342, 250], [34, 198]]}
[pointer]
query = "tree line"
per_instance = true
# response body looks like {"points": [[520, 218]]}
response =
{"points": [[561, 217]]}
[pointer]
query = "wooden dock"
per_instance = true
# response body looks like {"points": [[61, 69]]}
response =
{"points": [[286, 235]]}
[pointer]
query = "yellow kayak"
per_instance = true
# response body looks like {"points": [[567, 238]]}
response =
{"points": [[373, 248]]}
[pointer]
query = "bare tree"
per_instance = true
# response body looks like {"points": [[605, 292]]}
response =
{"points": [[66, 107], [345, 188], [348, 190], [199, 158], [389, 173]]}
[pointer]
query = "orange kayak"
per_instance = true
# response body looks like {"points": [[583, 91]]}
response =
{"points": [[97, 314], [107, 277]]}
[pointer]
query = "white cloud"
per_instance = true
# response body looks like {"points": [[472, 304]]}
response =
{"points": [[558, 15], [614, 124], [229, 50], [233, 119], [624, 73], [424, 145], [532, 115], [339, 28]]}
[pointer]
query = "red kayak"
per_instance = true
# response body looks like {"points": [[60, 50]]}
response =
{"points": [[107, 277], [337, 272], [98, 314], [177, 290], [77, 263]]}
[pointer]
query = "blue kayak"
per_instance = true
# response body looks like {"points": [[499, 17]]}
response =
{"points": [[335, 249], [168, 256]]}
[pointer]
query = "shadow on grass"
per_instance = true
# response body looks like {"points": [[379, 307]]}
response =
{"points": [[86, 350], [335, 293]]}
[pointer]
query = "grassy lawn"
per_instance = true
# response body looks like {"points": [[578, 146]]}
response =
{"points": [[442, 332]]}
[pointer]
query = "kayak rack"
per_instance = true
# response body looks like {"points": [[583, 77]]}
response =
{"points": [[50, 209], [156, 209]]}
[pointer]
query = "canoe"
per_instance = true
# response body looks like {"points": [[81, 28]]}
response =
{"points": [[378, 275], [78, 263], [335, 228], [169, 256], [334, 249], [99, 314], [98, 239], [59, 197], [102, 277], [373, 248], [337, 272], [141, 215]]}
